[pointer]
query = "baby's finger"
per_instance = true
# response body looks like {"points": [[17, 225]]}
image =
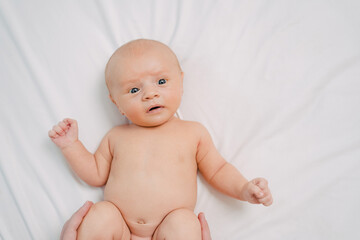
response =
{"points": [[266, 201], [58, 130], [256, 191], [63, 125], [261, 182], [69, 121], [52, 134]]}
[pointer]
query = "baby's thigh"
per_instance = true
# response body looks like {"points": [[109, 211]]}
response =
{"points": [[103, 221], [179, 224]]}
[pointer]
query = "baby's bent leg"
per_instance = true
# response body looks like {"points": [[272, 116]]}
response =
{"points": [[179, 224], [103, 221]]}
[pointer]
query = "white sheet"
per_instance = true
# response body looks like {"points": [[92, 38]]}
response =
{"points": [[275, 82]]}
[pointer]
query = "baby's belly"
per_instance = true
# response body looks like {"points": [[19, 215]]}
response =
{"points": [[146, 197]]}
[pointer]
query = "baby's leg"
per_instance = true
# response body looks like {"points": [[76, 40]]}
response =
{"points": [[103, 221], [179, 224]]}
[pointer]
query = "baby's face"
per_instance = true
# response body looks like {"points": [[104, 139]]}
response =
{"points": [[146, 87]]}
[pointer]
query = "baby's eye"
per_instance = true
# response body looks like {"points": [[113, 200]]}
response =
{"points": [[161, 81], [134, 90]]}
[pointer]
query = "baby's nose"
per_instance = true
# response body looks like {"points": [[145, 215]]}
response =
{"points": [[150, 93]]}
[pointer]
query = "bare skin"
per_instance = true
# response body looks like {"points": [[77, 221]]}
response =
{"points": [[69, 231], [149, 167]]}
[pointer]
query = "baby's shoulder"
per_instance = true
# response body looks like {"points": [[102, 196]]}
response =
{"points": [[116, 130], [194, 127]]}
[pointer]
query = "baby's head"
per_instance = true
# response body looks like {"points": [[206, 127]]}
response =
{"points": [[145, 82]]}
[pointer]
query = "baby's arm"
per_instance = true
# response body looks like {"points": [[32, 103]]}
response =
{"points": [[92, 168], [225, 177]]}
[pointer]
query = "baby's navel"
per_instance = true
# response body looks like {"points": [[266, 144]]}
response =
{"points": [[140, 221]]}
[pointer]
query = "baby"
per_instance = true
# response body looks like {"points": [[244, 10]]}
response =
{"points": [[149, 166]]}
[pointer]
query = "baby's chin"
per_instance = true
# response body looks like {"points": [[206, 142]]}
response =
{"points": [[153, 122], [148, 125]]}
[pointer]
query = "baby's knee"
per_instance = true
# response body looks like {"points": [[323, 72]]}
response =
{"points": [[103, 221], [104, 210], [181, 224], [183, 217]]}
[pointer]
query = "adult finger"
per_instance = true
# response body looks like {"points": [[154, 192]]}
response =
{"points": [[69, 230], [205, 231], [78, 216]]}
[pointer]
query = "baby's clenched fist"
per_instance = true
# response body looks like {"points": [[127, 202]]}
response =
{"points": [[64, 133], [257, 191]]}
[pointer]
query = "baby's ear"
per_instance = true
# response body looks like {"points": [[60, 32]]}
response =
{"points": [[182, 83], [112, 99]]}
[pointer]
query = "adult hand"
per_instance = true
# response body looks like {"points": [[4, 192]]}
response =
{"points": [[69, 231], [205, 231]]}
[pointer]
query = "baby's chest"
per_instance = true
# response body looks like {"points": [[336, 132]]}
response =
{"points": [[158, 152]]}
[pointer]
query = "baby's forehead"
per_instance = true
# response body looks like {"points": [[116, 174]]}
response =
{"points": [[135, 49], [142, 46]]}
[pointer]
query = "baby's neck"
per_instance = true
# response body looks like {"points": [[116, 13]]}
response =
{"points": [[170, 121]]}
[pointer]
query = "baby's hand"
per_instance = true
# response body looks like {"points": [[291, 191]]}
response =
{"points": [[257, 191], [65, 133]]}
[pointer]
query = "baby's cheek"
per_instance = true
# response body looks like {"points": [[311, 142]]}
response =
{"points": [[132, 115]]}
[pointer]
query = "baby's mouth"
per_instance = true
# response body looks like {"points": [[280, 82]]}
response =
{"points": [[154, 108]]}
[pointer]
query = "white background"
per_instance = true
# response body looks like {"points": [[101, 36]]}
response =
{"points": [[277, 84]]}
